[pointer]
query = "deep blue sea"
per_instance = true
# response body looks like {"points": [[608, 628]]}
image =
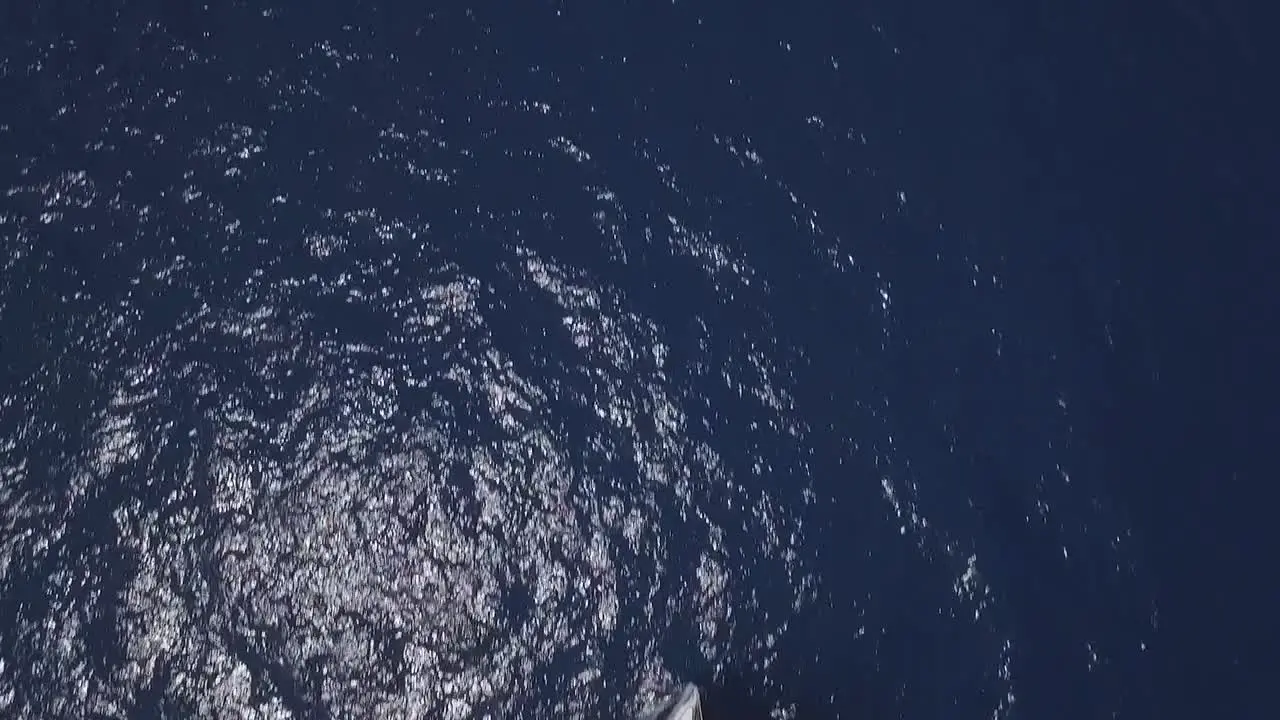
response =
{"points": [[525, 360]]}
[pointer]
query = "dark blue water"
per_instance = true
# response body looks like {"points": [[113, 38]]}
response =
{"points": [[364, 360]]}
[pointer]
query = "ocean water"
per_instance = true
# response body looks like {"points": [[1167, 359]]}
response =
{"points": [[370, 360]]}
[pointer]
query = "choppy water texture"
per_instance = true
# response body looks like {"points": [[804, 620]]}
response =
{"points": [[463, 365]]}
